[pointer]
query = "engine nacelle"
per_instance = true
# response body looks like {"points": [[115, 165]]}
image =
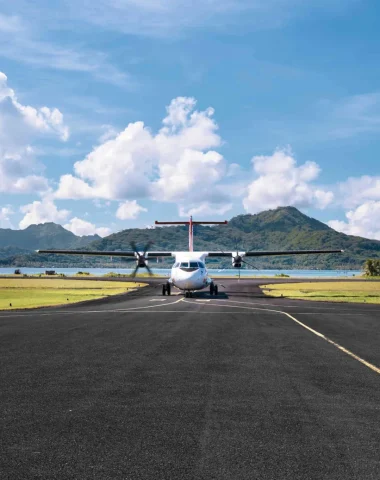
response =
{"points": [[236, 261]]}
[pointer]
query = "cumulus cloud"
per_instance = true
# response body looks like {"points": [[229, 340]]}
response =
{"points": [[81, 227], [205, 208], [19, 125], [5, 214], [281, 182], [129, 210], [41, 119], [41, 212], [357, 190], [364, 221], [177, 164]]}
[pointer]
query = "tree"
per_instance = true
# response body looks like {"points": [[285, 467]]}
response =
{"points": [[372, 268]]}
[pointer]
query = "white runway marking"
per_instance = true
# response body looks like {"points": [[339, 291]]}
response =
{"points": [[337, 305], [320, 335], [157, 300], [200, 300]]}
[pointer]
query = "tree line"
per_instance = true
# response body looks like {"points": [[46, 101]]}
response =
{"points": [[372, 267]]}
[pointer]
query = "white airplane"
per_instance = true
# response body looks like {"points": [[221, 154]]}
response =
{"points": [[189, 272]]}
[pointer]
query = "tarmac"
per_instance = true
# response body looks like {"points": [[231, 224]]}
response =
{"points": [[238, 386]]}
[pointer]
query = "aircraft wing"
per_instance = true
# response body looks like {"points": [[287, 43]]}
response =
{"points": [[105, 253], [270, 252]]}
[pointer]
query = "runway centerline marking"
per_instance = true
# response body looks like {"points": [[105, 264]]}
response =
{"points": [[315, 332], [79, 312], [292, 306]]}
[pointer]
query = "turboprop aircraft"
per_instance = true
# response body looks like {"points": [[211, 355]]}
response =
{"points": [[189, 272]]}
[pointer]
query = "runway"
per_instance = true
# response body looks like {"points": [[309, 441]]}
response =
{"points": [[239, 386]]}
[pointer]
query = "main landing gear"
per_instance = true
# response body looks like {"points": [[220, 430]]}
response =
{"points": [[166, 289], [213, 289]]}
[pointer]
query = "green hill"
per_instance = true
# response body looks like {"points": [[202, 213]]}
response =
{"points": [[45, 235], [284, 228]]}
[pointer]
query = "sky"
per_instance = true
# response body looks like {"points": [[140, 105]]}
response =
{"points": [[117, 113]]}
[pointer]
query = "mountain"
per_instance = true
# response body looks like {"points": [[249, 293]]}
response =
{"points": [[284, 228], [45, 235]]}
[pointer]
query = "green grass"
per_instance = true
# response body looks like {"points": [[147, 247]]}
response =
{"points": [[33, 293], [345, 291]]}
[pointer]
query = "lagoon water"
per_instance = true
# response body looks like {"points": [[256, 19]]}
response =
{"points": [[213, 272]]}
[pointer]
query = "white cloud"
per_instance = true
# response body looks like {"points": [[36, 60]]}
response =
{"points": [[5, 214], [357, 190], [24, 45], [19, 125], [177, 164], [364, 221], [129, 210], [81, 227], [281, 182], [41, 212], [169, 17], [41, 119], [205, 208]]}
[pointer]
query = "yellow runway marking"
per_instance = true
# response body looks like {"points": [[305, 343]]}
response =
{"points": [[320, 335]]}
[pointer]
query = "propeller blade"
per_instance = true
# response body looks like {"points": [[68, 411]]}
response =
{"points": [[133, 274], [149, 244], [149, 270], [249, 264], [134, 248]]}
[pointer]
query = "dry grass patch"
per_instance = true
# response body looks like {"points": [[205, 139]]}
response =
{"points": [[361, 292], [33, 293]]}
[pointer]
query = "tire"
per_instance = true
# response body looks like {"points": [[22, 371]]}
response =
{"points": [[163, 289], [186, 294], [168, 289], [216, 290], [212, 289]]}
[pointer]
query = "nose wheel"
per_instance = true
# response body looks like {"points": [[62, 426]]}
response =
{"points": [[213, 289], [188, 294], [166, 289]]}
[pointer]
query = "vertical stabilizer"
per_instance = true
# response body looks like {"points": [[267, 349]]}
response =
{"points": [[191, 224]]}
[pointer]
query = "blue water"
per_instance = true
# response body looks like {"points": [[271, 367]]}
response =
{"points": [[212, 272]]}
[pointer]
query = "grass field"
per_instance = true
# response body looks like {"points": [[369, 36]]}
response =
{"points": [[33, 293], [362, 292]]}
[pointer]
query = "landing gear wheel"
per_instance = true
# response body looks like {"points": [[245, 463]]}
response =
{"points": [[163, 289], [187, 294], [168, 288], [216, 290], [212, 289]]}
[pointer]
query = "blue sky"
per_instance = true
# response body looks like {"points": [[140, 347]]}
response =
{"points": [[117, 113]]}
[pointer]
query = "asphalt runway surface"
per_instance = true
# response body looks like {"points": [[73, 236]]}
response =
{"points": [[238, 386]]}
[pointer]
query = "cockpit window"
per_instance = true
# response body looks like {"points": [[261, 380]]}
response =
{"points": [[193, 265], [201, 265], [184, 264]]}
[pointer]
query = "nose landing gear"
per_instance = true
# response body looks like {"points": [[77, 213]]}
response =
{"points": [[188, 294], [166, 289], [213, 289]]}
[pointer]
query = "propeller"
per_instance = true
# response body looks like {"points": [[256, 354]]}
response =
{"points": [[141, 260]]}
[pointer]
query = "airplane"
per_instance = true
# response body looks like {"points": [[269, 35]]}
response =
{"points": [[189, 272]]}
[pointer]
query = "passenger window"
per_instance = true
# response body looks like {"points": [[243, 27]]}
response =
{"points": [[193, 265]]}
